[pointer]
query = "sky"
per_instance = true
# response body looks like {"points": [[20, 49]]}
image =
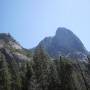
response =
{"points": [[29, 21]]}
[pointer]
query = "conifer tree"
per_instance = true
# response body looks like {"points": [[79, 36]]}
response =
{"points": [[5, 77], [66, 75], [41, 68], [27, 77], [15, 76], [33, 85]]}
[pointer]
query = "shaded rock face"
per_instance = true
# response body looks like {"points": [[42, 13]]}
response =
{"points": [[65, 42]]}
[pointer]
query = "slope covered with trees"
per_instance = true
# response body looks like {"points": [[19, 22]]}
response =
{"points": [[20, 70], [42, 73]]}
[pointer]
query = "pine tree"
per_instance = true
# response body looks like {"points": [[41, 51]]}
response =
{"points": [[54, 81], [23, 71], [5, 77], [66, 75], [15, 76], [27, 77], [41, 68], [33, 85]]}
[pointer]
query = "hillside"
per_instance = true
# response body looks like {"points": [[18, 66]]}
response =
{"points": [[20, 70]]}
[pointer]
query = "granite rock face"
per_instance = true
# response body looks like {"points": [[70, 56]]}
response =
{"points": [[11, 49], [65, 43]]}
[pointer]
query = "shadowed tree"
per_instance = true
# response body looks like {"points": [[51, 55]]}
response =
{"points": [[5, 77], [66, 78], [43, 69]]}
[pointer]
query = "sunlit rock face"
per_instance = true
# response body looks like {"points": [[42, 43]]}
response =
{"points": [[6, 40], [11, 49]]}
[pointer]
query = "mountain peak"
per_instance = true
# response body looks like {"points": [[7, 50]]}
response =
{"points": [[63, 31], [7, 37], [6, 40], [65, 42], [4, 35]]}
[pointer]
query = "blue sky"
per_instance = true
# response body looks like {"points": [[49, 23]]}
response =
{"points": [[29, 21]]}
